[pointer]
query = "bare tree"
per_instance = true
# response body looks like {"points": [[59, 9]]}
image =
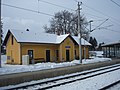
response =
{"points": [[66, 22]]}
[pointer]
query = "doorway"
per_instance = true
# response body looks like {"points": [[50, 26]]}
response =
{"points": [[47, 55], [67, 55], [30, 53], [57, 55]]}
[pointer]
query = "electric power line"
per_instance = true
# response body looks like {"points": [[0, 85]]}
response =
{"points": [[56, 5], [100, 25], [30, 9], [113, 30], [88, 13], [108, 26], [84, 5], [38, 5], [27, 9], [115, 3], [103, 14], [76, 0], [105, 28], [93, 15], [110, 30], [113, 19]]}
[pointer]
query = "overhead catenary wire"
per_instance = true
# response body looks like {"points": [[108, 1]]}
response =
{"points": [[108, 26], [93, 15], [105, 28], [110, 17], [89, 13], [56, 5], [42, 12], [100, 25], [26, 9], [76, 0], [97, 27], [38, 5], [109, 30], [115, 3], [30, 10]]}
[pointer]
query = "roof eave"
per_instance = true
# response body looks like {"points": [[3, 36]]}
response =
{"points": [[38, 43]]}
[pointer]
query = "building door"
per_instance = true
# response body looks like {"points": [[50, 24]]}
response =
{"points": [[67, 55], [47, 55], [12, 60], [83, 54], [57, 55], [30, 53], [75, 55]]}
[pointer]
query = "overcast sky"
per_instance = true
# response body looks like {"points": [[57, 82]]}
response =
{"points": [[96, 10]]}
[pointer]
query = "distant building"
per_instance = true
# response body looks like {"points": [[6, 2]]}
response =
{"points": [[112, 50], [42, 47]]}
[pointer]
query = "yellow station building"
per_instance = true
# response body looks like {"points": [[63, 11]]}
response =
{"points": [[42, 47]]}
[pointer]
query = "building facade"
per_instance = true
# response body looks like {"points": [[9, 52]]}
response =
{"points": [[112, 50], [42, 47]]}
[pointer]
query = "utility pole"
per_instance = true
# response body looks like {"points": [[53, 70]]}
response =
{"points": [[84, 50], [79, 33], [0, 33]]}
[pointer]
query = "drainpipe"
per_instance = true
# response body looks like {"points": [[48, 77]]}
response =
{"points": [[20, 53]]}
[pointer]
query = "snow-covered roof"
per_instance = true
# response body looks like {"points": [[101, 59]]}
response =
{"points": [[38, 37], [112, 43], [83, 41]]}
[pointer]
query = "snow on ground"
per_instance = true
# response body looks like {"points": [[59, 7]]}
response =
{"points": [[96, 53], [93, 83], [7, 68]]}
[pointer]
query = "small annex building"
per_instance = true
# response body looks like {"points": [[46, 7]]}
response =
{"points": [[111, 50], [42, 47]]}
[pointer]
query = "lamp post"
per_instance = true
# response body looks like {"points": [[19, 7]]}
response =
{"points": [[90, 24]]}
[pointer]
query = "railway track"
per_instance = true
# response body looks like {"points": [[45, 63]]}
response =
{"points": [[47, 84]]}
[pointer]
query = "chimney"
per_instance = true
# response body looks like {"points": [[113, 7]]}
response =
{"points": [[58, 32], [27, 29]]}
